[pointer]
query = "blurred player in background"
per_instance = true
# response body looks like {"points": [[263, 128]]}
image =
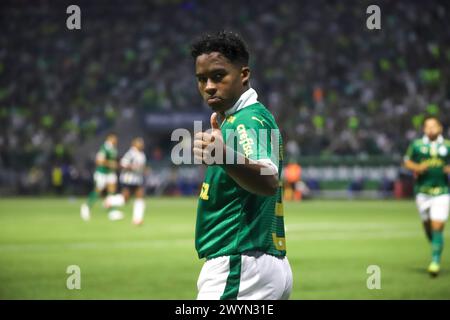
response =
{"points": [[429, 159], [105, 178], [240, 224], [133, 169], [133, 165]]}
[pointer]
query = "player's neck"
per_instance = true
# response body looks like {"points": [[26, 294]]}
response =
{"points": [[222, 115], [434, 139], [246, 97]]}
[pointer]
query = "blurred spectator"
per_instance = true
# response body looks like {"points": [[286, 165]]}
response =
{"points": [[57, 179], [355, 187], [292, 175]]}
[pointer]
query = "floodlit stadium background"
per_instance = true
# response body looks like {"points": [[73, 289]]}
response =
{"points": [[347, 99]]}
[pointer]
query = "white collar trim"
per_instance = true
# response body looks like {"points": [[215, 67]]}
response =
{"points": [[440, 139], [248, 98]]}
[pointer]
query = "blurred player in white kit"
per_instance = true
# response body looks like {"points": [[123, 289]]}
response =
{"points": [[133, 168]]}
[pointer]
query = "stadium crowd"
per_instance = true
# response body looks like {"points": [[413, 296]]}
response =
{"points": [[336, 87]]}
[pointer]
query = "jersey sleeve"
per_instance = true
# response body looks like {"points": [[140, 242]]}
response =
{"points": [[101, 155], [447, 158], [410, 153], [126, 159], [145, 160], [256, 139]]}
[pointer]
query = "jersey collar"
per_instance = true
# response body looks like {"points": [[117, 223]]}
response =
{"points": [[108, 145], [248, 98], [440, 139]]}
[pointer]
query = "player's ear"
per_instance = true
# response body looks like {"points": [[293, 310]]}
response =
{"points": [[245, 75]]}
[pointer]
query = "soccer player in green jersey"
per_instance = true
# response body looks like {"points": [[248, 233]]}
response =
{"points": [[105, 178], [240, 227], [429, 159]]}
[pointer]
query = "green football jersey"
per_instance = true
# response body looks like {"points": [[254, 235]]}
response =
{"points": [[230, 219], [436, 154], [108, 152]]}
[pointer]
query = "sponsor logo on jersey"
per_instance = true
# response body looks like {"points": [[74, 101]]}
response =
{"points": [[245, 140], [434, 162]]}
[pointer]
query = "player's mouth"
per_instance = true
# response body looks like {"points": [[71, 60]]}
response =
{"points": [[213, 100]]}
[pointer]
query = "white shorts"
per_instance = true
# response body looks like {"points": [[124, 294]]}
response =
{"points": [[103, 179], [130, 178], [258, 276], [433, 207]]}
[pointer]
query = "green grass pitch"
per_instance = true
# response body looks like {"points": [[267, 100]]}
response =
{"points": [[330, 245]]}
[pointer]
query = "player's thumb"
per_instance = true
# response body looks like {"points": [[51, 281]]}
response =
{"points": [[214, 122]]}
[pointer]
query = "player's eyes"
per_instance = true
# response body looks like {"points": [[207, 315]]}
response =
{"points": [[218, 77], [214, 78]]}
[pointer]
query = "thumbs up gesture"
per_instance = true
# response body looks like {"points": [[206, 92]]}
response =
{"points": [[209, 145]]}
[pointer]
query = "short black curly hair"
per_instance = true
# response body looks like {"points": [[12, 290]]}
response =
{"points": [[228, 43]]}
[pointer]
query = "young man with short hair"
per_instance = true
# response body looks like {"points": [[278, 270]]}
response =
{"points": [[240, 224]]}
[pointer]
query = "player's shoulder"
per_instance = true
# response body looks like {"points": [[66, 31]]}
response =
{"points": [[128, 153], [255, 115], [417, 142], [102, 149], [135, 153], [447, 142], [108, 148]]}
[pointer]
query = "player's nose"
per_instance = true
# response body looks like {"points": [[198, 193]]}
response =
{"points": [[210, 87]]}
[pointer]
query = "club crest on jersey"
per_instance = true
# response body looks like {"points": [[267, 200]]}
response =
{"points": [[231, 119], [443, 151], [424, 150]]}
